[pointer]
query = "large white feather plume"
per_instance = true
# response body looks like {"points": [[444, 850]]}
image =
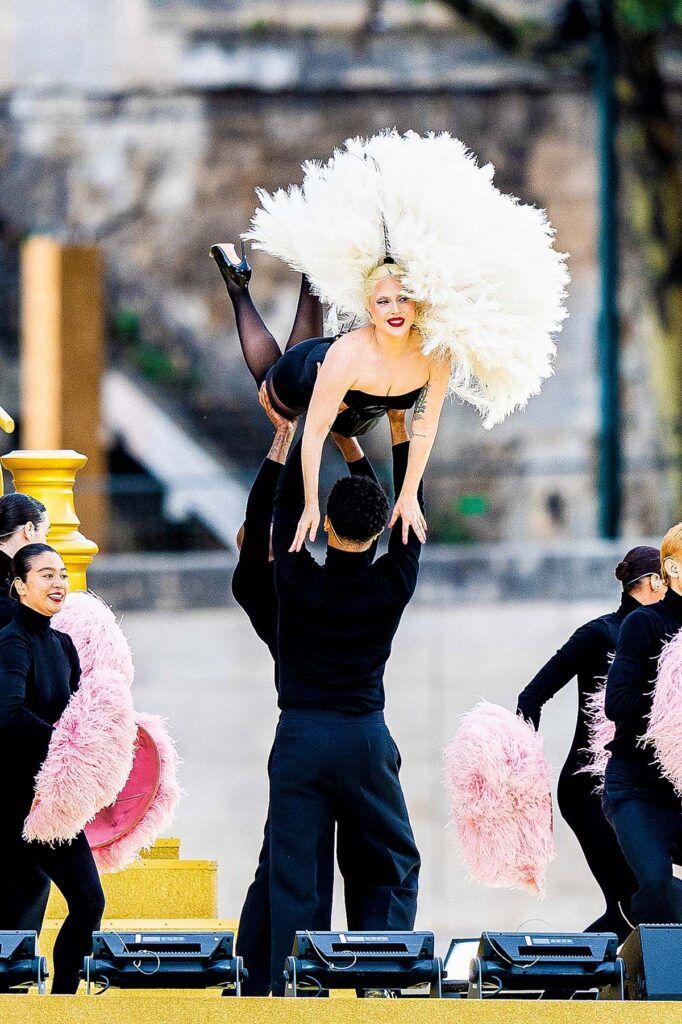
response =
{"points": [[483, 265]]}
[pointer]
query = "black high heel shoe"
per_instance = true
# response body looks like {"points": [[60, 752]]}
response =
{"points": [[235, 275]]}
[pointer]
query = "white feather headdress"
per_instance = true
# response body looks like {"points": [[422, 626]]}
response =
{"points": [[482, 264]]}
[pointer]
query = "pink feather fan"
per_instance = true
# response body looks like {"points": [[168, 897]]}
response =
{"points": [[95, 754], [665, 720], [91, 750], [499, 787]]}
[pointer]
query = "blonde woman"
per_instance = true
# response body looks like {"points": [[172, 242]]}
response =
{"points": [[435, 280], [347, 383]]}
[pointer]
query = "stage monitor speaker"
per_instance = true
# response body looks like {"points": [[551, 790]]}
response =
{"points": [[164, 960], [20, 962], [377, 962], [553, 965], [653, 962]]}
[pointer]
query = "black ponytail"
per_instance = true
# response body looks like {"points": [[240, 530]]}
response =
{"points": [[20, 565], [16, 510]]}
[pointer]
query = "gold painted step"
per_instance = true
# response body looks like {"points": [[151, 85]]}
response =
{"points": [[161, 885]]}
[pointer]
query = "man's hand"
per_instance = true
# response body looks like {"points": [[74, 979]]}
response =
{"points": [[284, 428], [278, 421], [349, 447]]}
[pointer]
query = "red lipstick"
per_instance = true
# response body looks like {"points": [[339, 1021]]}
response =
{"points": [[396, 321]]}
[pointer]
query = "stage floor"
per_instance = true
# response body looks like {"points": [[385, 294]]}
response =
{"points": [[167, 1008]]}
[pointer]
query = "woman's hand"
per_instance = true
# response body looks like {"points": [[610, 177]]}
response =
{"points": [[307, 527], [408, 509]]}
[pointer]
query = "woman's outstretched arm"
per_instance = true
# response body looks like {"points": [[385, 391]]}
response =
{"points": [[424, 426], [336, 375]]}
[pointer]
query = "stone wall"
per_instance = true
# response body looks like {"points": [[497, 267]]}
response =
{"points": [[159, 176]]}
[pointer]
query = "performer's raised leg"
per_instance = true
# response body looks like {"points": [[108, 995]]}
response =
{"points": [[308, 322], [260, 349]]}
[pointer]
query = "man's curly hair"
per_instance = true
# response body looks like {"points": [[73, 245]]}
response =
{"points": [[357, 508]]}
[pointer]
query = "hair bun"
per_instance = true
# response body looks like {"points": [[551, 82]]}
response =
{"points": [[621, 571]]}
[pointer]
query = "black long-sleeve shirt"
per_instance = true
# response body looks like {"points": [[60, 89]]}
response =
{"points": [[337, 620], [586, 654], [39, 670], [632, 678], [253, 581]]}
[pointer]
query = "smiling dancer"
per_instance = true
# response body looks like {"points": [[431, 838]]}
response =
{"points": [[387, 233], [39, 670], [641, 804], [586, 654]]}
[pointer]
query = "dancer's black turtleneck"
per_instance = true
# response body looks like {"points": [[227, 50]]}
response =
{"points": [[629, 689], [586, 654], [337, 621], [39, 670]]}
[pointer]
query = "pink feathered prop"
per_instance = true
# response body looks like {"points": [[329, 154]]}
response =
{"points": [[499, 786], [91, 750], [664, 730], [147, 804], [601, 731], [106, 765]]}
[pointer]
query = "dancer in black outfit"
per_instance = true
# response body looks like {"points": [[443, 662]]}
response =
{"points": [[23, 520], [253, 586], [290, 377], [587, 655], [643, 806], [334, 759], [39, 670]]}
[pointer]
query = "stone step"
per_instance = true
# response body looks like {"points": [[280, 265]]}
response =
{"points": [[155, 888]]}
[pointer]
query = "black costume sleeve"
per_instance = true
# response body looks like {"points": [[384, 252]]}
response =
{"points": [[401, 561], [575, 655], [289, 504], [631, 677], [17, 722], [255, 551]]}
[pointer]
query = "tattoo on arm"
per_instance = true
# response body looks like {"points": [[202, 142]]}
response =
{"points": [[420, 404]]}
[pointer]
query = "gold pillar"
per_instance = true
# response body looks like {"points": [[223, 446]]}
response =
{"points": [[49, 476], [62, 360], [6, 424]]}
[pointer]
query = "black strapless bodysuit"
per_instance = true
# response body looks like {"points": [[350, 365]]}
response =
{"points": [[293, 377]]}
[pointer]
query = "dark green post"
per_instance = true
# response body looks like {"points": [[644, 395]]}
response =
{"points": [[609, 471]]}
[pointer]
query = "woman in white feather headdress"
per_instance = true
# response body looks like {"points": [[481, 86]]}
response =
{"points": [[440, 281]]}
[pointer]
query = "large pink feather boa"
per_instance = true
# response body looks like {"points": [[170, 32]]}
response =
{"points": [[499, 787], [92, 748]]}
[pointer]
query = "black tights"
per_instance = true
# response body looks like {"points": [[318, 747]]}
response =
{"points": [[260, 349], [581, 808], [26, 868]]}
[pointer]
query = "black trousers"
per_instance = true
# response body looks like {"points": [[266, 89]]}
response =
{"points": [[582, 810], [329, 768], [26, 870], [255, 921], [647, 820]]}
